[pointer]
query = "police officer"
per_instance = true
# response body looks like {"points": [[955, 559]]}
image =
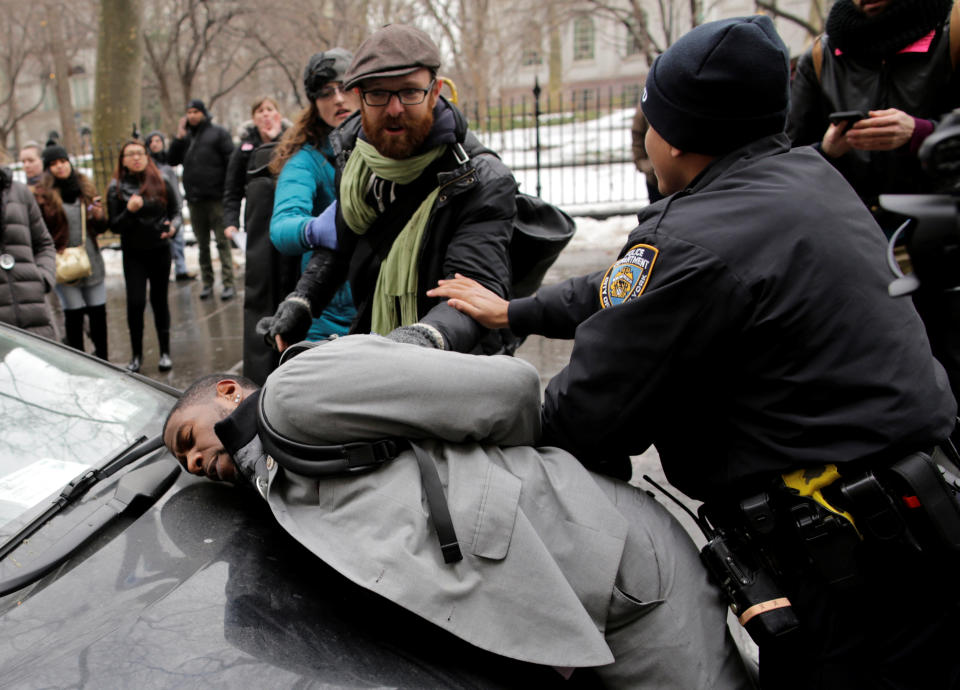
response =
{"points": [[746, 331]]}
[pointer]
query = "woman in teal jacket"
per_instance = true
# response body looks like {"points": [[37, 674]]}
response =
{"points": [[305, 187]]}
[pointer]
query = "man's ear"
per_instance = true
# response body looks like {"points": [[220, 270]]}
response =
{"points": [[229, 390], [675, 152]]}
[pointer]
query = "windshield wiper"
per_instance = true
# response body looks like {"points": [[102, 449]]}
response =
{"points": [[149, 482], [79, 485]]}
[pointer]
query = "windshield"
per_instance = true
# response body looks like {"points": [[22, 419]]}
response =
{"points": [[61, 413]]}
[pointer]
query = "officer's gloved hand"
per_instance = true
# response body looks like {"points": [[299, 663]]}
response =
{"points": [[420, 334], [291, 321], [322, 230]]}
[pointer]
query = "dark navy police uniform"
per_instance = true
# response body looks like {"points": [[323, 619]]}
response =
{"points": [[746, 331]]}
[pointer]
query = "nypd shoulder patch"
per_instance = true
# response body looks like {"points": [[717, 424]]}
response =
{"points": [[628, 278]]}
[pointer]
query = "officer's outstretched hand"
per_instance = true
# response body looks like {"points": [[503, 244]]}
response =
{"points": [[288, 325], [473, 299]]}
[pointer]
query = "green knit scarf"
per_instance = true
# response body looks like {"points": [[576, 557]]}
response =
{"points": [[395, 295]]}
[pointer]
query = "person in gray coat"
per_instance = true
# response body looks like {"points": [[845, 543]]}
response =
{"points": [[559, 567], [27, 260]]}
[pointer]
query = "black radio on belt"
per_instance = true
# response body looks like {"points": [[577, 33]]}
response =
{"points": [[759, 604]]}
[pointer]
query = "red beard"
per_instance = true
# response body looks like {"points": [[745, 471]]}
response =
{"points": [[397, 146]]}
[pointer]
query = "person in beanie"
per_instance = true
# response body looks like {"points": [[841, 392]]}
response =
{"points": [[204, 149], [72, 210], [306, 186], [157, 147], [418, 199], [746, 332]]}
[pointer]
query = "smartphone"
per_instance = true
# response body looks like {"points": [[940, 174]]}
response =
{"points": [[848, 116]]}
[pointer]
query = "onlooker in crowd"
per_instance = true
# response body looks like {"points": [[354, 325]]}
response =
{"points": [[638, 131], [144, 212], [893, 61], [413, 206], [204, 149], [157, 145], [556, 566], [269, 276], [746, 331], [26, 259], [307, 178], [31, 157], [74, 214]]}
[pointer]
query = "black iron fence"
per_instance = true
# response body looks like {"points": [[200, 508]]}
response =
{"points": [[573, 149]]}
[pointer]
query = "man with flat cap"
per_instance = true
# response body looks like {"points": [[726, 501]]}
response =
{"points": [[416, 202], [747, 333]]}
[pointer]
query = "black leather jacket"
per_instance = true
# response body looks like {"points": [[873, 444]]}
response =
{"points": [[921, 84], [468, 232]]}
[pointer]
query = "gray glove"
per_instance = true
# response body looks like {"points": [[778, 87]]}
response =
{"points": [[291, 321], [418, 334]]}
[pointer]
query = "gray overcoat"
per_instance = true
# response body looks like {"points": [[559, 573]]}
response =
{"points": [[561, 567]]}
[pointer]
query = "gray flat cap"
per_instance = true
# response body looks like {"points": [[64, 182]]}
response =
{"points": [[392, 51]]}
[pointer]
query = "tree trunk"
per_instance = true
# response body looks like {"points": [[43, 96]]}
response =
{"points": [[61, 72], [118, 81]]}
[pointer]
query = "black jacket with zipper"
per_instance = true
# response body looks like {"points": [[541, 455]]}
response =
{"points": [[468, 232]]}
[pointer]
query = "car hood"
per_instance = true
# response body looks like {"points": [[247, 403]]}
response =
{"points": [[204, 589]]}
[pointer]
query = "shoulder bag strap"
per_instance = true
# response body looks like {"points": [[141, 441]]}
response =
{"points": [[817, 55], [954, 29]]}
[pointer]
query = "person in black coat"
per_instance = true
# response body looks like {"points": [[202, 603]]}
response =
{"points": [[270, 275], [144, 212], [204, 150], [746, 331], [157, 146]]}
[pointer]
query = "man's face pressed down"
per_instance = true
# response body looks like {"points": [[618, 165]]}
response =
{"points": [[397, 130], [189, 435]]}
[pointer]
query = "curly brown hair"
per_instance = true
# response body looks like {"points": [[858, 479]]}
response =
{"points": [[309, 128]]}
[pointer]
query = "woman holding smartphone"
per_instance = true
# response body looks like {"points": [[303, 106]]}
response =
{"points": [[144, 212], [74, 215]]}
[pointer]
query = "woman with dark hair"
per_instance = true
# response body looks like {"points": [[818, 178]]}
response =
{"points": [[144, 212], [269, 275], [74, 214], [305, 187]]}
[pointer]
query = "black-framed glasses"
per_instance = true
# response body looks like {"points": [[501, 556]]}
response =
{"points": [[330, 91], [381, 97]]}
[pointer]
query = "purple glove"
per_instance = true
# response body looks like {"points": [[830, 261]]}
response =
{"points": [[322, 230]]}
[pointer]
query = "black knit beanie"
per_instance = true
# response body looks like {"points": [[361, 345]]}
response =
{"points": [[199, 105], [720, 86], [52, 154]]}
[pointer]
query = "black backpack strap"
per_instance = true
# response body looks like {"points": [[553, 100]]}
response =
{"points": [[437, 501], [317, 461]]}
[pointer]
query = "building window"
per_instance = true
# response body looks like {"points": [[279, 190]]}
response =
{"points": [[531, 56], [583, 39]]}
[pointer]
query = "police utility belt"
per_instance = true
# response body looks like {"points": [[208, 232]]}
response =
{"points": [[817, 517], [310, 460]]}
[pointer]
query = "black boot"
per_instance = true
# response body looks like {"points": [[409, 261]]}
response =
{"points": [[73, 322], [98, 329]]}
